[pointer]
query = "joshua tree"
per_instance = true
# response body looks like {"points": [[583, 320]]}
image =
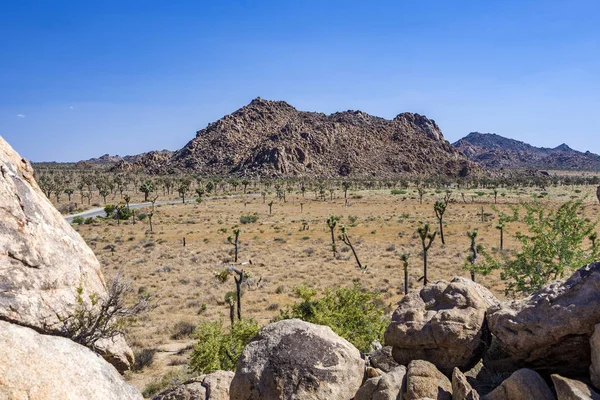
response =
{"points": [[425, 235], [234, 240], [331, 223], [209, 186], [69, 192], [475, 249], [440, 208], [500, 227], [270, 206], [245, 183], [495, 195], [239, 279], [344, 238], [127, 199], [230, 298], [183, 188], [104, 192], [153, 201], [301, 207], [150, 214], [346, 185], [147, 187], [200, 193], [404, 258], [421, 192]]}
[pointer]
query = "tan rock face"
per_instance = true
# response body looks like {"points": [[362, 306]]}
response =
{"points": [[549, 331], [461, 388], [570, 389], [42, 367], [524, 384], [42, 259], [389, 386], [213, 386], [443, 323], [424, 380], [293, 359]]}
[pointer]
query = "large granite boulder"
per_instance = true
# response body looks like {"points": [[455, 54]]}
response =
{"points": [[461, 388], [549, 331], [41, 367], [213, 386], [293, 359], [424, 380], [524, 384], [570, 389], [389, 386], [443, 323], [42, 259], [595, 356]]}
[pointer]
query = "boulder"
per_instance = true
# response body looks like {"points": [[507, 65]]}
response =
{"points": [[443, 323], [293, 359], [570, 389], [42, 259], [524, 384], [424, 380], [461, 389], [213, 386], [386, 387], [595, 356], [549, 331], [34, 366], [382, 359]]}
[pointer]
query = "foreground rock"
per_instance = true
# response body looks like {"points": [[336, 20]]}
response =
{"points": [[443, 323], [595, 357], [569, 389], [461, 389], [214, 386], [524, 384], [549, 331], [42, 367], [386, 387], [423, 380], [382, 359], [293, 359], [42, 259]]}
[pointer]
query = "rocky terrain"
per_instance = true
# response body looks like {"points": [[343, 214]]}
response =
{"points": [[494, 151]]}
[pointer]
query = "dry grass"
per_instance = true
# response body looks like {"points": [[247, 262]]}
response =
{"points": [[181, 279]]}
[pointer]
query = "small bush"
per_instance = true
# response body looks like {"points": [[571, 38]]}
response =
{"points": [[248, 219], [144, 358], [354, 314], [78, 220], [398, 191], [182, 330], [218, 349], [88, 220]]}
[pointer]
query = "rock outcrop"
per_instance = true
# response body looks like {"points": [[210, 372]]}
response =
{"points": [[595, 357], [570, 389], [461, 388], [423, 380], [42, 259], [41, 367], [213, 386], [524, 384], [389, 386], [550, 330], [382, 359], [293, 359], [443, 323]]}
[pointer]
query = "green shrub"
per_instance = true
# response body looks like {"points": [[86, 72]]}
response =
{"points": [[109, 209], [89, 220], [398, 191], [78, 220], [248, 219], [354, 314], [218, 349], [124, 213], [144, 358]]}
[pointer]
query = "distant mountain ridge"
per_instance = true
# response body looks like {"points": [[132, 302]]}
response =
{"points": [[494, 151], [273, 139]]}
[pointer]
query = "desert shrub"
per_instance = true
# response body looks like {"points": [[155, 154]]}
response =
{"points": [[78, 220], [88, 220], [109, 209], [354, 314], [220, 349], [143, 358], [182, 329], [124, 213], [142, 216], [248, 219], [398, 191]]}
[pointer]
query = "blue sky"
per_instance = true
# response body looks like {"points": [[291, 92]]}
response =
{"points": [[82, 78]]}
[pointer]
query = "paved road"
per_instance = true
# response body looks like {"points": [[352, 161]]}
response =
{"points": [[99, 212]]}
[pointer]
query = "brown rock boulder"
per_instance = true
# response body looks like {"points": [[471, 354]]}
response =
{"points": [[550, 330], [443, 323], [424, 380], [595, 357], [293, 359], [524, 384], [213, 386], [461, 389], [42, 367], [42, 259], [570, 389], [386, 387]]}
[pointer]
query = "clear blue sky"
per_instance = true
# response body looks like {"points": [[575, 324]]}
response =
{"points": [[82, 78]]}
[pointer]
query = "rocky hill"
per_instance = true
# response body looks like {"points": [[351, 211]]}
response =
{"points": [[272, 138], [494, 151]]}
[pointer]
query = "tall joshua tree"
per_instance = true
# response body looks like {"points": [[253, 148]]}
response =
{"points": [[440, 208], [475, 249], [426, 236], [344, 238], [331, 223], [404, 259], [234, 240]]}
